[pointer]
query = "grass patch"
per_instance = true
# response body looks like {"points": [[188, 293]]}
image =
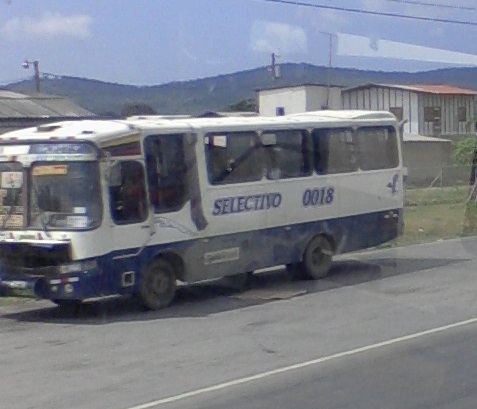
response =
{"points": [[432, 214], [436, 195], [432, 222]]}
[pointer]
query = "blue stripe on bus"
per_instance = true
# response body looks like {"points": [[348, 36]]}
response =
{"points": [[267, 247], [256, 249]]}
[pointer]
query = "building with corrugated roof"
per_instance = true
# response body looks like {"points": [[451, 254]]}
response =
{"points": [[24, 110], [430, 110]]}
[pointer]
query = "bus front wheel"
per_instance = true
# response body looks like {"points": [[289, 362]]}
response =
{"points": [[318, 258], [157, 285]]}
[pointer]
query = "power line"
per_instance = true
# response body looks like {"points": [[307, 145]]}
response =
{"points": [[429, 4], [374, 13]]}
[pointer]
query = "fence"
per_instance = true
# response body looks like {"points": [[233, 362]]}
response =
{"points": [[438, 176]]}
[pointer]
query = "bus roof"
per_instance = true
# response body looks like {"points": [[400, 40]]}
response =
{"points": [[103, 131]]}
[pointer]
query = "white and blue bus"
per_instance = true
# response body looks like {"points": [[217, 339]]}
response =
{"points": [[99, 208]]}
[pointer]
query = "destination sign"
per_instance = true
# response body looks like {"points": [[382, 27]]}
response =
{"points": [[61, 148]]}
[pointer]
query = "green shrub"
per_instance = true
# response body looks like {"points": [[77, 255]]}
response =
{"points": [[464, 150]]}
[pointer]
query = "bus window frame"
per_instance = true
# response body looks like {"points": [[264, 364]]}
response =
{"points": [[353, 154], [145, 200], [256, 150], [359, 150], [186, 191], [306, 154]]}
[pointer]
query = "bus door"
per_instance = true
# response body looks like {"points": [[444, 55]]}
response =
{"points": [[235, 204], [131, 224]]}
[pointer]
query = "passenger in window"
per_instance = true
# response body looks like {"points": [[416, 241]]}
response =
{"points": [[133, 199]]}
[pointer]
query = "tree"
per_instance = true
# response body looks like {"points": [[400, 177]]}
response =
{"points": [[137, 108], [245, 105]]}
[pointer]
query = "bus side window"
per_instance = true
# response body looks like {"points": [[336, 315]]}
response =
{"points": [[377, 148], [166, 172], [128, 200], [289, 156], [334, 151], [239, 160]]}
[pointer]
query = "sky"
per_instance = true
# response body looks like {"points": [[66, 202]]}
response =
{"points": [[151, 42]]}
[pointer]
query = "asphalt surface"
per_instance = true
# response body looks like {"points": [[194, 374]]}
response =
{"points": [[387, 329]]}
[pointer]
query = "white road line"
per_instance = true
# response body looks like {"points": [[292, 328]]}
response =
{"points": [[262, 375]]}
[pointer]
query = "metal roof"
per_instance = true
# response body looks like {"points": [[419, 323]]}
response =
{"points": [[427, 89], [14, 105]]}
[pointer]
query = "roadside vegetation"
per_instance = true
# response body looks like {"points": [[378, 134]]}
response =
{"points": [[442, 212], [433, 214]]}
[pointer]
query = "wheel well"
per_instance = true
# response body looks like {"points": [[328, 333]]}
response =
{"points": [[176, 262]]}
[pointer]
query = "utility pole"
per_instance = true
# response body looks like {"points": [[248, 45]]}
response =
{"points": [[275, 68], [328, 75], [36, 67], [330, 65]]}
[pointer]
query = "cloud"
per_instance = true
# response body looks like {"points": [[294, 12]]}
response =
{"points": [[277, 37], [48, 25]]}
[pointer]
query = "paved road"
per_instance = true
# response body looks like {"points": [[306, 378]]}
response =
{"points": [[436, 372], [359, 339]]}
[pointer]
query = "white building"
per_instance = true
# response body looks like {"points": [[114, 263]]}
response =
{"points": [[430, 110], [296, 99]]}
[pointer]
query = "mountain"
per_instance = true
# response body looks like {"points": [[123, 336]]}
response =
{"points": [[220, 92]]}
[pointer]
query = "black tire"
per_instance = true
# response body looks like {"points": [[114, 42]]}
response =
{"points": [[157, 285], [318, 258]]}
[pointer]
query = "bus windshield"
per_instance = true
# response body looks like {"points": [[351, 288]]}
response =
{"points": [[65, 196]]}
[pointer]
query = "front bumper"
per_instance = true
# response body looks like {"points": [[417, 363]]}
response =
{"points": [[51, 282]]}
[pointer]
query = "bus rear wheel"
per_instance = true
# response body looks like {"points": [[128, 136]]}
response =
{"points": [[157, 286], [318, 258]]}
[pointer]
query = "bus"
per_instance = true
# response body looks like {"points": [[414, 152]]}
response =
{"points": [[95, 208]]}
